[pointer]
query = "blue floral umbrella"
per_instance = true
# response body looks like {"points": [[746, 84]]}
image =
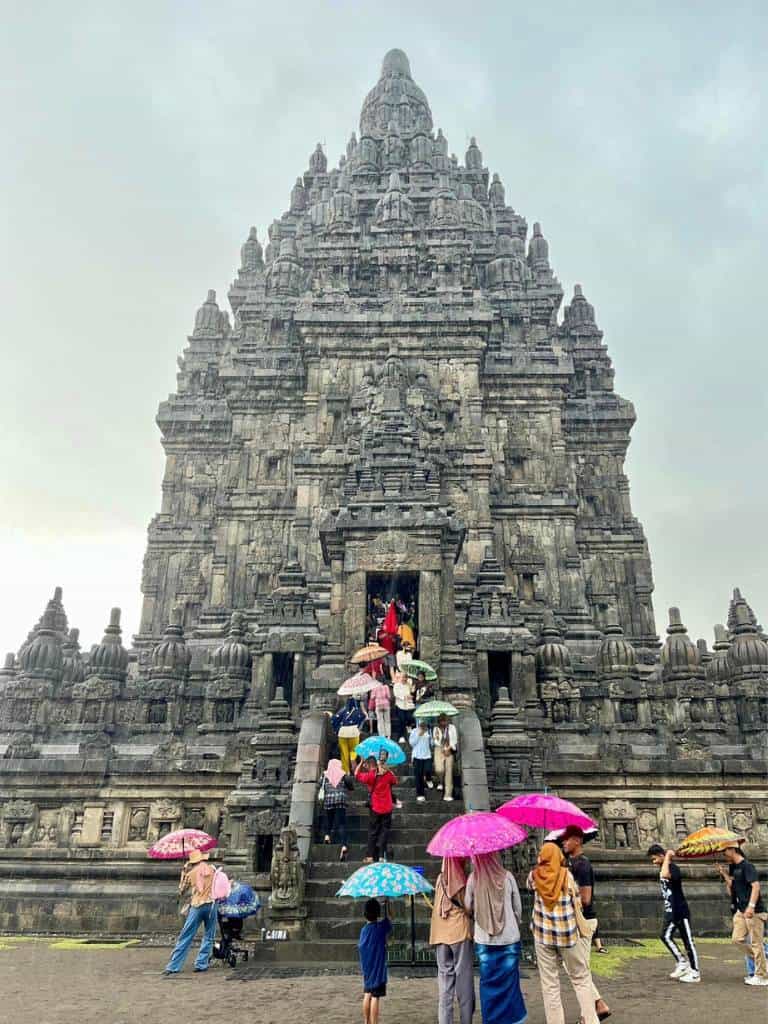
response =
{"points": [[389, 881], [242, 901], [384, 879], [375, 744]]}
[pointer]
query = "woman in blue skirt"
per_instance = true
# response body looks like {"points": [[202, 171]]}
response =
{"points": [[493, 895]]}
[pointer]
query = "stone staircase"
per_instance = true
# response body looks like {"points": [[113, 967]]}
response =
{"points": [[333, 925]]}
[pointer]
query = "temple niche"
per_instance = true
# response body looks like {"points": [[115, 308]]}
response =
{"points": [[399, 393]]}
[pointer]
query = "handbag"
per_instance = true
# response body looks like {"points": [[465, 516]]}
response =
{"points": [[586, 926]]}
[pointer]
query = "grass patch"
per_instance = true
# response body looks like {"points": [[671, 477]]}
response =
{"points": [[12, 941], [75, 944], [613, 962]]}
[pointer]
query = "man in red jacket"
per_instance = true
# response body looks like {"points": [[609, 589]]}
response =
{"points": [[379, 779]]}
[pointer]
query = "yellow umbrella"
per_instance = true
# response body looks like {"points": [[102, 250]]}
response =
{"points": [[706, 841]]}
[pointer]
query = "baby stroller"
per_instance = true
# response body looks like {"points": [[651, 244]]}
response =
{"points": [[242, 902]]}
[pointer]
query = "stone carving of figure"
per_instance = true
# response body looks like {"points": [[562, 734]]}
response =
{"points": [[628, 712], [138, 824], [559, 712], [591, 714], [287, 873], [620, 836]]}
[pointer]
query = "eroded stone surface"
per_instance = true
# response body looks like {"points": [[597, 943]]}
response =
{"points": [[397, 391]]}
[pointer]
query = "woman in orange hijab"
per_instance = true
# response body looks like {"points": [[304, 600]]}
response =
{"points": [[556, 935]]}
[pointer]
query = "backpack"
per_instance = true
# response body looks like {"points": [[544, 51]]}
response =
{"points": [[220, 886]]}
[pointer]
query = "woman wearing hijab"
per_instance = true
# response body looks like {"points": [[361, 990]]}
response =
{"points": [[556, 935], [493, 894], [347, 723], [333, 793], [451, 936]]}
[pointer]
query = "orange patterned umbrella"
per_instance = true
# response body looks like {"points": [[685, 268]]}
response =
{"points": [[370, 653], [706, 841]]}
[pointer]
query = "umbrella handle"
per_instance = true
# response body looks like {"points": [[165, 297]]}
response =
{"points": [[413, 932]]}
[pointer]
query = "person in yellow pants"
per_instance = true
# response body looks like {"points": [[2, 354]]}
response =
{"points": [[346, 724]]}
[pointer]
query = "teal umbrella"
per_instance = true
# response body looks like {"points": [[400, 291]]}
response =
{"points": [[435, 708], [412, 669]]}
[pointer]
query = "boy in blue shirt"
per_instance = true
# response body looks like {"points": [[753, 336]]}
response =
{"points": [[372, 948]]}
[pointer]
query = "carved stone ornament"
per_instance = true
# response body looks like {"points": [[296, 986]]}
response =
{"points": [[287, 873]]}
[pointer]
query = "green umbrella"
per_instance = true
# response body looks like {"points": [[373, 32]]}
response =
{"points": [[412, 669], [435, 708]]}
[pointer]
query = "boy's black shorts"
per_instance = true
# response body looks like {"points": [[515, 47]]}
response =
{"points": [[377, 991]]}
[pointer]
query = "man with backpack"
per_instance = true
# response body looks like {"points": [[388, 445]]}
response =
{"points": [[205, 885]]}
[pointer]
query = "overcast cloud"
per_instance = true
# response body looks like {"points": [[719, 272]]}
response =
{"points": [[141, 141]]}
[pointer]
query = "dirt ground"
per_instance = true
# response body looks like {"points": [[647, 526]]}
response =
{"points": [[45, 981]]}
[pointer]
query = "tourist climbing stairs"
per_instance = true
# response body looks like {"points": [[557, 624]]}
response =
{"points": [[333, 925]]}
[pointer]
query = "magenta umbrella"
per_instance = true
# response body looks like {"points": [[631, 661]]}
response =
{"points": [[357, 684], [179, 844], [543, 810], [474, 833]]}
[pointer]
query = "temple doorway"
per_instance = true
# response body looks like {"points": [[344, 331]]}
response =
{"points": [[499, 673], [282, 674], [381, 588]]}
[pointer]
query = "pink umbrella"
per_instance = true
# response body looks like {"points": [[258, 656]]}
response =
{"points": [[181, 843], [471, 834], [357, 684], [543, 810]]}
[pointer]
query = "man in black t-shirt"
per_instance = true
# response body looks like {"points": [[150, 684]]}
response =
{"points": [[572, 842], [749, 915], [677, 916]]}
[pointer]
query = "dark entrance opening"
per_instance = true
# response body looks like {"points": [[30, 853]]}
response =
{"points": [[381, 588], [282, 674], [262, 854], [499, 673]]}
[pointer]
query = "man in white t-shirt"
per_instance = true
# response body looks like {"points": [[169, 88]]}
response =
{"points": [[404, 706]]}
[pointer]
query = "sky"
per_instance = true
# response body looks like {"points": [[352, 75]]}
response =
{"points": [[142, 140]]}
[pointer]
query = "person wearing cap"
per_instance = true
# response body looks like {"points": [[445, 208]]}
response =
{"points": [[197, 877], [677, 916], [572, 843], [749, 915]]}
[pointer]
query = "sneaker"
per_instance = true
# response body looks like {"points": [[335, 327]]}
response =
{"points": [[757, 982], [447, 799], [691, 977], [430, 784], [402, 740], [399, 804], [420, 799], [679, 971], [439, 785]]}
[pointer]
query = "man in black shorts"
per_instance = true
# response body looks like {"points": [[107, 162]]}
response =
{"points": [[677, 916]]}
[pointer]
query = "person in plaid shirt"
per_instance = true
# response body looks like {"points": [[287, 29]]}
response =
{"points": [[555, 935]]}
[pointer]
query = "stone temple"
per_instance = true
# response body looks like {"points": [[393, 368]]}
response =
{"points": [[397, 402]]}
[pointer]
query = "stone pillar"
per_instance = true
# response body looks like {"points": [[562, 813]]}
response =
{"points": [[448, 602], [263, 672], [429, 617], [336, 623], [298, 683]]}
